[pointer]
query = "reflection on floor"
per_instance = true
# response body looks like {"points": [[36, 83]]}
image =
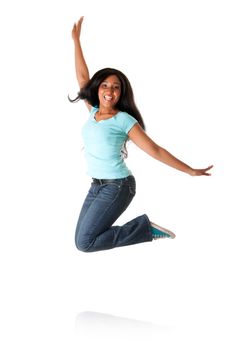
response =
{"points": [[99, 329]]}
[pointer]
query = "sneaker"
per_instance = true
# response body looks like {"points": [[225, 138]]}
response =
{"points": [[161, 232]]}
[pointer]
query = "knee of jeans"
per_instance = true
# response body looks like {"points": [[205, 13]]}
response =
{"points": [[82, 247], [81, 244]]}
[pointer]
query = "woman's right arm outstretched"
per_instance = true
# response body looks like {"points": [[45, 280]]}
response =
{"points": [[81, 68]]}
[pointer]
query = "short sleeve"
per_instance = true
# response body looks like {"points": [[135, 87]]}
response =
{"points": [[126, 122], [93, 111]]}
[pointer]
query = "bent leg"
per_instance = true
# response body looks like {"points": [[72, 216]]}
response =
{"points": [[95, 231], [133, 232]]}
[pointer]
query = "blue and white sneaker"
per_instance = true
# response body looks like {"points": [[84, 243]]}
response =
{"points": [[160, 232]]}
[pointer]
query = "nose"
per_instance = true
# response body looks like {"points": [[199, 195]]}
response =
{"points": [[110, 88]]}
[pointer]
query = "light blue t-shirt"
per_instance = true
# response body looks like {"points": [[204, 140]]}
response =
{"points": [[103, 142]]}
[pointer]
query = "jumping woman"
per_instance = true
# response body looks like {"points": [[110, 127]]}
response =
{"points": [[114, 118]]}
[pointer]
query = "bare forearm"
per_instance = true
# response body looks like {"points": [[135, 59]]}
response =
{"points": [[167, 158], [143, 141], [81, 68], [82, 72]]}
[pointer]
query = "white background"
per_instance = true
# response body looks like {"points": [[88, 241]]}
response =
{"points": [[161, 295]]}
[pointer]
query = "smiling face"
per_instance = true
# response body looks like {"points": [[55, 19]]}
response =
{"points": [[109, 92]]}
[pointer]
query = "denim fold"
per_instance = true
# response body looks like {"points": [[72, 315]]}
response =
{"points": [[103, 205]]}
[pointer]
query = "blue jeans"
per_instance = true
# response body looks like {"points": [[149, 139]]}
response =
{"points": [[102, 206]]}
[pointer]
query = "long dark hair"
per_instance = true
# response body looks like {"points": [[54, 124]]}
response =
{"points": [[126, 102]]}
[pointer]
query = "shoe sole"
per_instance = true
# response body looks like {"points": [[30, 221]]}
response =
{"points": [[168, 232]]}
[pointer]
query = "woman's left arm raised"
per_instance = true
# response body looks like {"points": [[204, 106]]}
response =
{"points": [[143, 141]]}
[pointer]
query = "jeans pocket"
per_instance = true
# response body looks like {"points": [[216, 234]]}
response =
{"points": [[110, 190]]}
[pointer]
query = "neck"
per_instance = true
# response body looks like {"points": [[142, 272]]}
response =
{"points": [[103, 110]]}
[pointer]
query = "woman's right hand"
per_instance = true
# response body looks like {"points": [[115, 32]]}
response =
{"points": [[76, 31]]}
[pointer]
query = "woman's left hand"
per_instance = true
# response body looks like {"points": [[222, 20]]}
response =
{"points": [[200, 172]]}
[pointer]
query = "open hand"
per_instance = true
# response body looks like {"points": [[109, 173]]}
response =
{"points": [[76, 31], [200, 172]]}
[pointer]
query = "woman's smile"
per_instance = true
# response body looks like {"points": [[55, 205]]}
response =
{"points": [[109, 91]]}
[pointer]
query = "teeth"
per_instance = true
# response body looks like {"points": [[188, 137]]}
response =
{"points": [[108, 98]]}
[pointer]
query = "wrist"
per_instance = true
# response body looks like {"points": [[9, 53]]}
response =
{"points": [[190, 171], [76, 41]]}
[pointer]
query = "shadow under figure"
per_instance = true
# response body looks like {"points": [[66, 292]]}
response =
{"points": [[114, 118]]}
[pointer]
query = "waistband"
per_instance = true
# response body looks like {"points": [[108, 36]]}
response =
{"points": [[107, 181]]}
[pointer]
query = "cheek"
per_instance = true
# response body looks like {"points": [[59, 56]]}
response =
{"points": [[99, 93], [118, 94]]}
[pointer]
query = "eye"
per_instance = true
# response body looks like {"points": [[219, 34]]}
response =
{"points": [[104, 85], [117, 87]]}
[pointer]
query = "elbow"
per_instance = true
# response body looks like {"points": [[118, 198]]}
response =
{"points": [[156, 152]]}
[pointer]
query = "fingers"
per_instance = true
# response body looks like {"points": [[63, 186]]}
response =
{"points": [[80, 21], [200, 172], [77, 28], [207, 169]]}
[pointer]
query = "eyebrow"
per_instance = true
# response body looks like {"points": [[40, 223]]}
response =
{"points": [[115, 82]]}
